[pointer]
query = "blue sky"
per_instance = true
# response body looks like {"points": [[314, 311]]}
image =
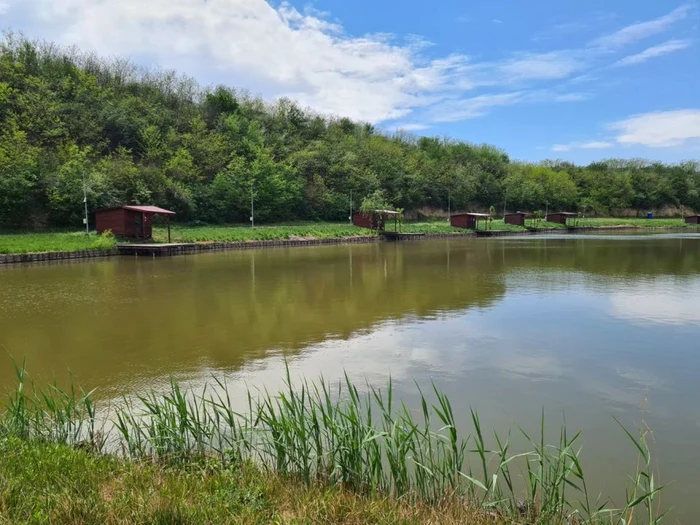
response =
{"points": [[541, 79]]}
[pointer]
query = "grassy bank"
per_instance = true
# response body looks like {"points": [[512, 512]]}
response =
{"points": [[312, 451], [602, 222], [74, 241], [53, 242], [43, 482]]}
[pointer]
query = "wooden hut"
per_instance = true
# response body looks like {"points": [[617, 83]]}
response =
{"points": [[517, 218], [375, 220], [560, 217], [692, 219], [135, 222], [468, 220]]}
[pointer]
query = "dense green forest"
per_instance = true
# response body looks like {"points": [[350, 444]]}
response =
{"points": [[139, 136]]}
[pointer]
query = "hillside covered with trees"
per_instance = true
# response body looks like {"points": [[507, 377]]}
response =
{"points": [[138, 136]]}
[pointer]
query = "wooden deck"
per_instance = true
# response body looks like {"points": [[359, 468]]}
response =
{"points": [[396, 236], [155, 250]]}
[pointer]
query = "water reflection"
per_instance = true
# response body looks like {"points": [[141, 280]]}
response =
{"points": [[662, 300]]}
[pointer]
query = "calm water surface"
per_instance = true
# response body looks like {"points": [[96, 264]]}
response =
{"points": [[586, 327]]}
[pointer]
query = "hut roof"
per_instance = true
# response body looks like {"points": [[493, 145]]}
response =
{"points": [[471, 214], [142, 209]]}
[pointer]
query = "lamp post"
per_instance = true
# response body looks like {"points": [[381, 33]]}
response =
{"points": [[87, 226], [252, 208]]}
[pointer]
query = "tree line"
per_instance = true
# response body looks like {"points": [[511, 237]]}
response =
{"points": [[71, 120]]}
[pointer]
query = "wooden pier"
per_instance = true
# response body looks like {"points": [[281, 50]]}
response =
{"points": [[156, 250], [398, 236]]}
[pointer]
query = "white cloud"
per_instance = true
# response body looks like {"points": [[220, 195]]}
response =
{"points": [[571, 97], [653, 52], [278, 51], [659, 129], [469, 108], [497, 21], [410, 127], [552, 65], [4, 8], [594, 144], [640, 31]]}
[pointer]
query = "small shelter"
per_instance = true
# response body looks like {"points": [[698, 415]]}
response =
{"points": [[692, 219], [560, 217], [135, 222], [468, 220], [375, 220], [517, 218]]}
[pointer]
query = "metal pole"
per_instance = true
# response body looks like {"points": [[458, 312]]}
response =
{"points": [[350, 218], [87, 226], [252, 208], [449, 206], [505, 203]]}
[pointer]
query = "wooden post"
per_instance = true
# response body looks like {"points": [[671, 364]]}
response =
{"points": [[167, 219]]}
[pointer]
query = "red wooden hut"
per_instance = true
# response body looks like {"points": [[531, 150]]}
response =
{"points": [[467, 220], [560, 217], [692, 219], [517, 218], [135, 222], [374, 221]]}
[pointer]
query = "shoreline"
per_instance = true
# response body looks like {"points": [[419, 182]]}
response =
{"points": [[207, 246]]}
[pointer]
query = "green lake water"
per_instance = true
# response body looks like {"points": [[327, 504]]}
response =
{"points": [[586, 327]]}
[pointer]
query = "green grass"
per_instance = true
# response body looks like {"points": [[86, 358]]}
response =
{"points": [[53, 242], [314, 230], [74, 241], [331, 439], [43, 482], [242, 233], [633, 222]]}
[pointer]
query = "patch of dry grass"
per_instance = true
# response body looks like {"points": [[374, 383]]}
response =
{"points": [[48, 483]]}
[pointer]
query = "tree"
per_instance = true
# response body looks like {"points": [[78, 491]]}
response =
{"points": [[19, 172], [375, 202]]}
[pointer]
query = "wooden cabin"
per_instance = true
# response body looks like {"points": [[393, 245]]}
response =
{"points": [[376, 220], [468, 220], [135, 222], [561, 217], [692, 219], [517, 218]]}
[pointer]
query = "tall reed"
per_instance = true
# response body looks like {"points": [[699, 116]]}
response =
{"points": [[367, 442]]}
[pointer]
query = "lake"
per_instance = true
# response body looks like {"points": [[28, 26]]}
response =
{"points": [[584, 327]]}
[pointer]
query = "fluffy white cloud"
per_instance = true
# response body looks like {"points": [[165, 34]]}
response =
{"points": [[594, 144], [659, 129], [653, 52], [279, 51], [642, 30]]}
